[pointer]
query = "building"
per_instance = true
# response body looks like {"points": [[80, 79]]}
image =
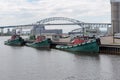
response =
{"points": [[88, 31], [37, 29], [40, 29], [13, 31], [115, 15]]}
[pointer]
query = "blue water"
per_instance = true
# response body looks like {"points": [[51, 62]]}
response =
{"points": [[25, 63]]}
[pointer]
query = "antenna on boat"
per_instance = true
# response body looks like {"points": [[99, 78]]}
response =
{"points": [[83, 29]]}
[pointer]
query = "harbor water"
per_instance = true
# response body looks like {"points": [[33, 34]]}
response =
{"points": [[26, 63]]}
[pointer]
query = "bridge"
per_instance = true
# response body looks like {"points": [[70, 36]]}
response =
{"points": [[46, 20], [50, 24]]}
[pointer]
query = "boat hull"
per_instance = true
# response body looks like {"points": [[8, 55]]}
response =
{"points": [[42, 44], [16, 42], [84, 47]]}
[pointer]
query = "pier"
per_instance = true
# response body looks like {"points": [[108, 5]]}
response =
{"points": [[107, 46], [110, 45], [110, 49]]}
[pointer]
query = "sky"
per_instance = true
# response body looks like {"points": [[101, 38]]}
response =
{"points": [[14, 12]]}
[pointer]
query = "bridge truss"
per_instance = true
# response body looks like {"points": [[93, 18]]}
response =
{"points": [[46, 20]]}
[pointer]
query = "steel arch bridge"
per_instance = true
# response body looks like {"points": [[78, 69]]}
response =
{"points": [[45, 21], [74, 21]]}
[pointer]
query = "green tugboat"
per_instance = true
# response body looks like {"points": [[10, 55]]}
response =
{"points": [[15, 40], [40, 42], [90, 46]]}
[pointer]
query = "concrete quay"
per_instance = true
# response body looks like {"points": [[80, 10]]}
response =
{"points": [[110, 41], [110, 46], [107, 46]]}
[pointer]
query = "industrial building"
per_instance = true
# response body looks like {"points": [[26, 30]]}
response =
{"points": [[40, 29], [115, 15]]}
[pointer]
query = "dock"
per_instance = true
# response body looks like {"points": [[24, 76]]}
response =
{"points": [[108, 47]]}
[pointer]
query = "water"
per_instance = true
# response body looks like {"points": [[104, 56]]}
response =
{"points": [[25, 63]]}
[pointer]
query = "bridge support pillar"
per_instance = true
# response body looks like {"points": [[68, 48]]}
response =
{"points": [[20, 31], [2, 32]]}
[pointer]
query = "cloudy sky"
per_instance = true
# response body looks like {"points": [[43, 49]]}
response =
{"points": [[14, 12]]}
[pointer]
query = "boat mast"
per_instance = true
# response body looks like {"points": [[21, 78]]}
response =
{"points": [[83, 31]]}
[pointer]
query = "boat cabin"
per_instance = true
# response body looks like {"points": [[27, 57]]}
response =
{"points": [[40, 38]]}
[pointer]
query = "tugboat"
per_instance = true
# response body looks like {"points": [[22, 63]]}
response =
{"points": [[79, 45], [15, 40], [40, 42]]}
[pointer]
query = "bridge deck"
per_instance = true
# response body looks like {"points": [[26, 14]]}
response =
{"points": [[49, 24]]}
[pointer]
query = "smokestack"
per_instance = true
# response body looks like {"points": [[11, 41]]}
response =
{"points": [[115, 15]]}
